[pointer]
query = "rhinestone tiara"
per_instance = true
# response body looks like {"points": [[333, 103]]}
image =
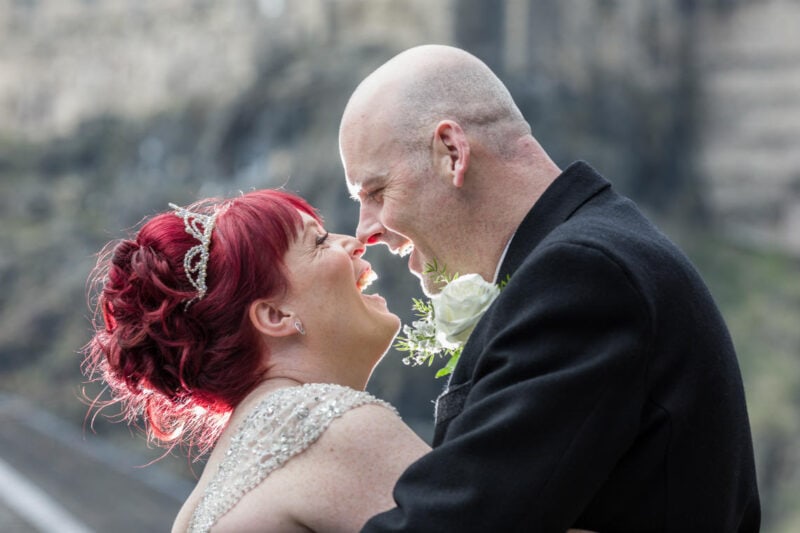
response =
{"points": [[195, 262]]}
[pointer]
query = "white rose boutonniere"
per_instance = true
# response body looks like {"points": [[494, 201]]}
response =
{"points": [[447, 320], [457, 309]]}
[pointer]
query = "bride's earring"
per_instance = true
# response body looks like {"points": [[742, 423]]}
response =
{"points": [[299, 327]]}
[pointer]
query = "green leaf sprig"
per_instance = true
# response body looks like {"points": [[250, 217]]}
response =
{"points": [[420, 337]]}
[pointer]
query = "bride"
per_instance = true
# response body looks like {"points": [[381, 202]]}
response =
{"points": [[240, 327]]}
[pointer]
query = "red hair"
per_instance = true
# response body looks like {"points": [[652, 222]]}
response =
{"points": [[184, 369]]}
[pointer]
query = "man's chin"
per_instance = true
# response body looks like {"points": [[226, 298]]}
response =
{"points": [[415, 263], [429, 284], [428, 281]]}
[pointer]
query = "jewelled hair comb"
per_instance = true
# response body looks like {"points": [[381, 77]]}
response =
{"points": [[195, 262]]}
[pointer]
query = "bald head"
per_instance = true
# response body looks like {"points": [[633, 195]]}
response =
{"points": [[421, 86], [441, 160]]}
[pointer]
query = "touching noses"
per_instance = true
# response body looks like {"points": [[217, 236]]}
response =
{"points": [[369, 229], [353, 246]]}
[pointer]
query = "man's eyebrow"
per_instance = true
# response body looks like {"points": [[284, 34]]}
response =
{"points": [[354, 190], [357, 188]]}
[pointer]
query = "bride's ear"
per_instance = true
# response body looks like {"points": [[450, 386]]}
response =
{"points": [[270, 319]]}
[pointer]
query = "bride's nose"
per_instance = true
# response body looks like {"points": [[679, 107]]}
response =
{"points": [[353, 246]]}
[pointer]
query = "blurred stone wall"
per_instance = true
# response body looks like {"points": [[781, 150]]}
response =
{"points": [[707, 92], [65, 62], [750, 157]]}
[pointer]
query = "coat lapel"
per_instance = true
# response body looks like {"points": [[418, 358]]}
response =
{"points": [[574, 187]]}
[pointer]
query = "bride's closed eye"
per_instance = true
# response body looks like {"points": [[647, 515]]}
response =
{"points": [[322, 238]]}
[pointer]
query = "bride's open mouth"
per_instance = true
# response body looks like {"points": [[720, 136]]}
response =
{"points": [[365, 279]]}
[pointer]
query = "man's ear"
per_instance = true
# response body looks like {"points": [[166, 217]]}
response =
{"points": [[451, 149], [270, 319]]}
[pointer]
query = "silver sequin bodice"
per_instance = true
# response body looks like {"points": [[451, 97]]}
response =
{"points": [[282, 425]]}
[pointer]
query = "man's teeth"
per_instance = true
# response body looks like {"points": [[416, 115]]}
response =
{"points": [[405, 250]]}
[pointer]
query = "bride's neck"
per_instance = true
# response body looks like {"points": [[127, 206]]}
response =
{"points": [[309, 364], [267, 386]]}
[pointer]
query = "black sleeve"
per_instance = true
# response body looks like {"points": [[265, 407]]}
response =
{"points": [[555, 395]]}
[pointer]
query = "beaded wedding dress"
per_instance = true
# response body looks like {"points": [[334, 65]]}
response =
{"points": [[282, 425]]}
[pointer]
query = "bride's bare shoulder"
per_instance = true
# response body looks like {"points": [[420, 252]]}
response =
{"points": [[354, 466], [372, 429]]}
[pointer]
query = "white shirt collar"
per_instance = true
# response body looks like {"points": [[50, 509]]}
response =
{"points": [[502, 257]]}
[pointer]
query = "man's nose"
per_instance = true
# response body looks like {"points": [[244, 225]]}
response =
{"points": [[369, 229]]}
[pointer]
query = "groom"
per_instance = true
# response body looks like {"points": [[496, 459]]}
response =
{"points": [[601, 389]]}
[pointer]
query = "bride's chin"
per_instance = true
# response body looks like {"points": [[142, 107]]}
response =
{"points": [[397, 328], [391, 327], [392, 331]]}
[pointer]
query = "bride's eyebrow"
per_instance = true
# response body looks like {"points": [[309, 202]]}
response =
{"points": [[309, 226]]}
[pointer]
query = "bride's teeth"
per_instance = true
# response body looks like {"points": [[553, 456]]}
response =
{"points": [[366, 279]]}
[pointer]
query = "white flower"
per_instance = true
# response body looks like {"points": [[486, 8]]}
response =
{"points": [[459, 307], [447, 320]]}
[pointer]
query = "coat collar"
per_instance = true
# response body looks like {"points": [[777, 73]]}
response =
{"points": [[576, 185]]}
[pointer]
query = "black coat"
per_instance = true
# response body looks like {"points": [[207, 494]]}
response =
{"points": [[600, 390]]}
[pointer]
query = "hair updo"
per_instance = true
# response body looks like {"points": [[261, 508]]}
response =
{"points": [[184, 368]]}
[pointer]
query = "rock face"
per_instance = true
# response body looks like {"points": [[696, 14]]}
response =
{"points": [[704, 101], [64, 62]]}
